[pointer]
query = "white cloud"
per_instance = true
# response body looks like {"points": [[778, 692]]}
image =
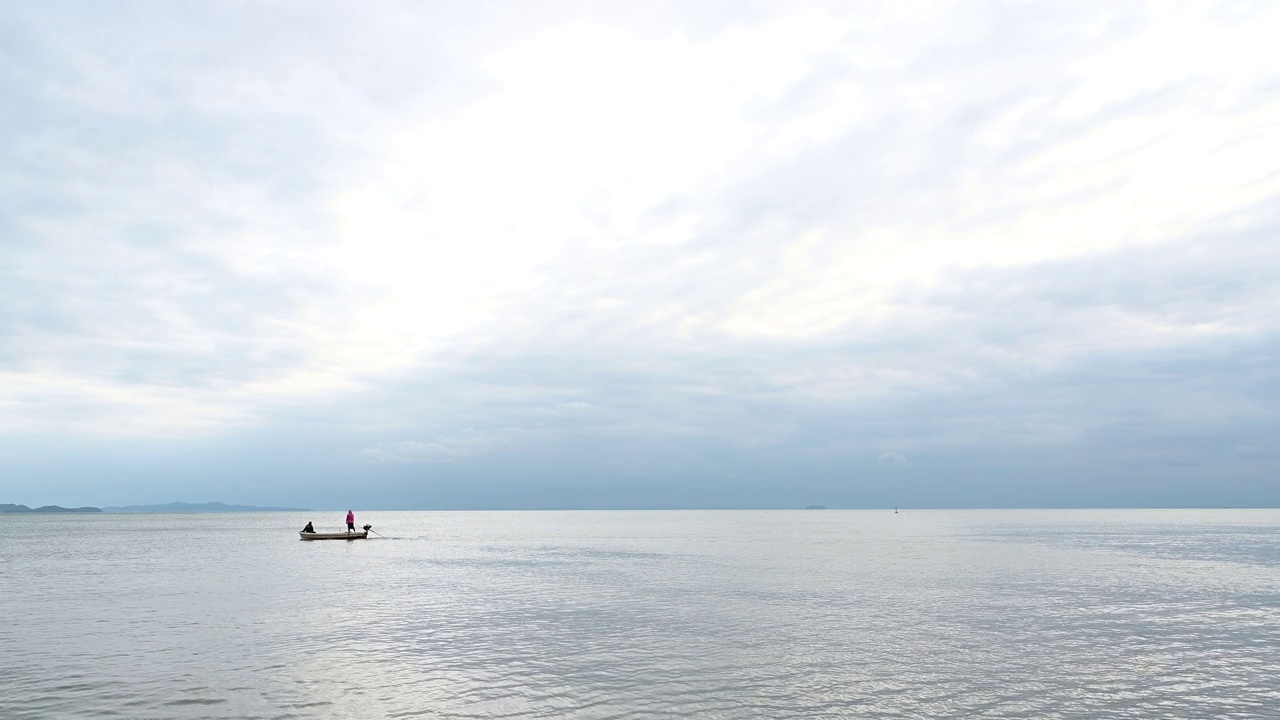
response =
{"points": [[443, 449], [698, 226], [893, 459]]}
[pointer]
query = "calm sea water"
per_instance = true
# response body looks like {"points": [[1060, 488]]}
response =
{"points": [[804, 614]]}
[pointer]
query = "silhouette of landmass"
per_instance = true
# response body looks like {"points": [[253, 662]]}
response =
{"points": [[7, 508]]}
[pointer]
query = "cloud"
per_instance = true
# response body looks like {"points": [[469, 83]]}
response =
{"points": [[442, 449], [810, 231], [893, 459]]}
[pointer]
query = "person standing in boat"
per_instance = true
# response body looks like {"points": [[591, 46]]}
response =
{"points": [[351, 521]]}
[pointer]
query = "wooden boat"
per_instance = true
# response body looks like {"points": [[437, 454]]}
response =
{"points": [[334, 536]]}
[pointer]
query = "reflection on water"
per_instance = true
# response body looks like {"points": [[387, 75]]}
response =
{"points": [[1000, 614]]}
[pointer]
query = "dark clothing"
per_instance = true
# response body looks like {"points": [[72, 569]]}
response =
{"points": [[308, 529], [351, 527]]}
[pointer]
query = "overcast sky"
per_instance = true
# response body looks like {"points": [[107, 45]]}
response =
{"points": [[640, 254]]}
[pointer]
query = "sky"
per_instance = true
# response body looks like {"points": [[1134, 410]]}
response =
{"points": [[460, 255]]}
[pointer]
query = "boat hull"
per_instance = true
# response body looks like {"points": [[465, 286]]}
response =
{"points": [[334, 536]]}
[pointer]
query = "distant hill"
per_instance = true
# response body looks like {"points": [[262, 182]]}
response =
{"points": [[815, 507], [7, 508], [213, 507]]}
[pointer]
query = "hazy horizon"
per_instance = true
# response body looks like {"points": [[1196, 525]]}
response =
{"points": [[661, 508], [547, 254]]}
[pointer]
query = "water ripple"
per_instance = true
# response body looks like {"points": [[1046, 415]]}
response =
{"points": [[634, 615]]}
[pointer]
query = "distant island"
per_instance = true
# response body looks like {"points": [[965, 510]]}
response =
{"points": [[815, 507], [213, 507], [7, 508]]}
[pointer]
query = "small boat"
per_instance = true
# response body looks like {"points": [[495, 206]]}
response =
{"points": [[335, 536]]}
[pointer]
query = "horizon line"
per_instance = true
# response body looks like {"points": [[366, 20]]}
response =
{"points": [[730, 508]]}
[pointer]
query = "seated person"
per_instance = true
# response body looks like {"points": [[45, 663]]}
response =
{"points": [[308, 528]]}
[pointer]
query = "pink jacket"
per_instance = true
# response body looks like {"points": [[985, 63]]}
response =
{"points": [[351, 518]]}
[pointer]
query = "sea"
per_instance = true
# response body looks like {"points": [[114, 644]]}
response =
{"points": [[644, 614]]}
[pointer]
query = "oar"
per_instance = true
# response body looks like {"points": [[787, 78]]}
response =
{"points": [[375, 532]]}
